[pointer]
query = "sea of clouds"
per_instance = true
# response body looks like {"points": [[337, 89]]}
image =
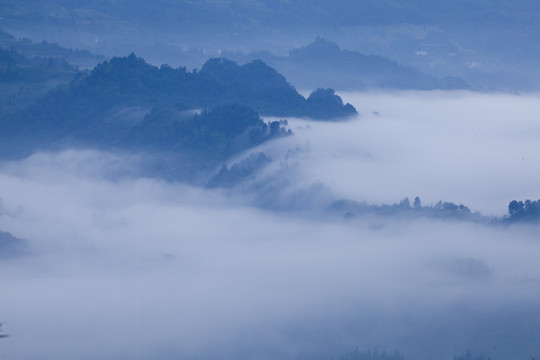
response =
{"points": [[127, 267]]}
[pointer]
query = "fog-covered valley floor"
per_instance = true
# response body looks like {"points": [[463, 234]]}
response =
{"points": [[124, 267], [472, 148]]}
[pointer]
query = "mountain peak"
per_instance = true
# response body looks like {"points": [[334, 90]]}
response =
{"points": [[214, 65], [320, 47]]}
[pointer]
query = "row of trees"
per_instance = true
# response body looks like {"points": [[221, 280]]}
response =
{"points": [[528, 210], [440, 210], [519, 211]]}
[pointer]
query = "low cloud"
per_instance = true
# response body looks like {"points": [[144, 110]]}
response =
{"points": [[125, 267], [475, 149]]}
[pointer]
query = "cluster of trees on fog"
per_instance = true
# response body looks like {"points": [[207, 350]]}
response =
{"points": [[441, 209], [523, 211], [518, 211]]}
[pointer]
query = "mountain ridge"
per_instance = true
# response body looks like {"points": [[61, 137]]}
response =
{"points": [[324, 63]]}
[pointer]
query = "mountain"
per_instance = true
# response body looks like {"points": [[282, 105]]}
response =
{"points": [[182, 145], [218, 132], [77, 58], [30, 70], [25, 79], [130, 81], [127, 104], [15, 67], [490, 44], [324, 63]]}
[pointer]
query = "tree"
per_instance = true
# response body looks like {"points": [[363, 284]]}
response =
{"points": [[528, 210], [417, 203], [405, 203], [515, 207]]}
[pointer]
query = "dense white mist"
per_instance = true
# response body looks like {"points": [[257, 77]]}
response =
{"points": [[135, 268], [477, 149]]}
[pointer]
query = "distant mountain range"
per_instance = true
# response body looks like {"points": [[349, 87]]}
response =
{"points": [[490, 44], [15, 68], [323, 62], [82, 59], [30, 70], [23, 79]]}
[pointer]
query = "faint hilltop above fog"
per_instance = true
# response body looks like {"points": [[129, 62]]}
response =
{"points": [[323, 62]]}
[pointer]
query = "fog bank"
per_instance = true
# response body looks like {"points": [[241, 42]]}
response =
{"points": [[126, 267], [477, 149]]}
